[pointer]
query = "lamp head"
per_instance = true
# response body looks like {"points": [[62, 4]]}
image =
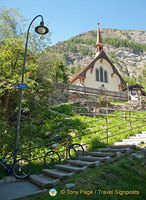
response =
{"points": [[41, 29]]}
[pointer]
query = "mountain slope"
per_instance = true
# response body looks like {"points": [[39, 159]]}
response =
{"points": [[126, 49]]}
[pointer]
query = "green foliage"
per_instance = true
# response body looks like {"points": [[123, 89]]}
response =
{"points": [[77, 40], [78, 68], [124, 43], [52, 68], [72, 70], [93, 33], [11, 23], [113, 58], [11, 58], [7, 136], [71, 47], [63, 108], [36, 131], [39, 79], [85, 51], [103, 100], [130, 80], [66, 56], [141, 80], [113, 41]]}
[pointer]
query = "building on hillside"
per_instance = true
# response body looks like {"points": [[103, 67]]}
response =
{"points": [[135, 92], [100, 73]]}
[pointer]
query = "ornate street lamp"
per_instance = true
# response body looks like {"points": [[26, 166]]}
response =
{"points": [[41, 29]]}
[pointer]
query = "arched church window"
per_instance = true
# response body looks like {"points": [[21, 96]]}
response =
{"points": [[105, 77], [97, 75], [101, 74]]}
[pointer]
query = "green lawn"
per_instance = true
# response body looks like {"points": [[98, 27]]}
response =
{"points": [[119, 103]]}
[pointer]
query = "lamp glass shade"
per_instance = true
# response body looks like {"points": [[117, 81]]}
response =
{"points": [[41, 30]]}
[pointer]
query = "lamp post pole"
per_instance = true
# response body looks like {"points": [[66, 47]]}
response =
{"points": [[40, 30]]}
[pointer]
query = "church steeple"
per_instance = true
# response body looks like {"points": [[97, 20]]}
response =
{"points": [[99, 44]]}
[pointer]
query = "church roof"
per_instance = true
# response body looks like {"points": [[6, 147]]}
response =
{"points": [[83, 71]]}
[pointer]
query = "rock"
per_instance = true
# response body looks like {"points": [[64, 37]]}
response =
{"points": [[70, 185], [84, 181], [145, 154], [110, 175], [139, 172], [9, 179], [137, 155], [1, 181]]}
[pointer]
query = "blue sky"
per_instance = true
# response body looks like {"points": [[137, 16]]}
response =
{"points": [[68, 18]]}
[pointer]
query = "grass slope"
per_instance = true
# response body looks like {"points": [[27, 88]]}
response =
{"points": [[82, 128]]}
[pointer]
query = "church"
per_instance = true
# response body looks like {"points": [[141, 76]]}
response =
{"points": [[99, 73]]}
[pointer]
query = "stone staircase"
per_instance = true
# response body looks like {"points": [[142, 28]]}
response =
{"points": [[50, 177], [134, 140]]}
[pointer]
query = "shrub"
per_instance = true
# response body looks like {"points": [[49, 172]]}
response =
{"points": [[103, 100]]}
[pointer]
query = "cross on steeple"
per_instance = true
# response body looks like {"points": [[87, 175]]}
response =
{"points": [[99, 44]]}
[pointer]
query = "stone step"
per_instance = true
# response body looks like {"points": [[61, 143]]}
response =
{"points": [[121, 146], [124, 150], [134, 140], [83, 163], [140, 135], [143, 132], [127, 143], [137, 137], [104, 149], [71, 168], [43, 181], [92, 158], [100, 154], [55, 173]]}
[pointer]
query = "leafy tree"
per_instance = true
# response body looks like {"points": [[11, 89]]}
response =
{"points": [[11, 23], [85, 51], [141, 80], [52, 68], [11, 56], [124, 43], [39, 79], [11, 61]]}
